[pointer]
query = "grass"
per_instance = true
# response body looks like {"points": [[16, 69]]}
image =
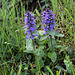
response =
{"points": [[13, 59]]}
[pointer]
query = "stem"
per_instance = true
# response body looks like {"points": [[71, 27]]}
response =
{"points": [[37, 59], [51, 42], [34, 45], [39, 4]]}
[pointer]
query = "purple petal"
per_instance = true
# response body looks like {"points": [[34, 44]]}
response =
{"points": [[47, 21], [51, 11], [53, 17], [29, 32], [55, 31], [35, 27], [32, 29], [32, 37], [32, 22], [51, 29], [25, 26], [36, 35], [52, 26], [25, 32], [25, 20], [32, 18], [45, 33], [44, 23], [52, 21], [27, 37], [28, 24], [46, 29], [25, 14]]}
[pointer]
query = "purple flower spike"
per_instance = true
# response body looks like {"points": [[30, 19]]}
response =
{"points": [[30, 25], [48, 20]]}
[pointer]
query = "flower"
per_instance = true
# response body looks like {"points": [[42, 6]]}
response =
{"points": [[30, 25], [48, 20]]}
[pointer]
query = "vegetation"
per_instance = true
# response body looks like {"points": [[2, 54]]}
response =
{"points": [[17, 55]]}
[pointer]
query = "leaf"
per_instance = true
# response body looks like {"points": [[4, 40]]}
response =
{"points": [[41, 53], [36, 32], [58, 46], [53, 42], [58, 34], [49, 70], [41, 47], [49, 54], [37, 12], [29, 44], [29, 47], [69, 50], [41, 63], [29, 51], [51, 32], [26, 67], [43, 38], [41, 32], [53, 57], [59, 67]]}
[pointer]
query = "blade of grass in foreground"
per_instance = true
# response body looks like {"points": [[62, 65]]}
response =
{"points": [[20, 67], [49, 70]]}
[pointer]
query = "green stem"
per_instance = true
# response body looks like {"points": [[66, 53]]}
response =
{"points": [[34, 45], [51, 43], [37, 59], [39, 4]]}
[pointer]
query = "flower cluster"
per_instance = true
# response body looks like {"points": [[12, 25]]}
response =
{"points": [[30, 25], [48, 20]]}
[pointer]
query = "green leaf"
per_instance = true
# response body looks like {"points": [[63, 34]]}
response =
{"points": [[36, 32], [26, 67], [35, 70], [69, 50], [49, 54], [51, 32], [37, 12], [29, 44], [58, 34], [41, 32], [41, 47], [43, 38], [59, 67], [29, 51], [49, 70], [41, 53], [41, 63], [53, 57]]}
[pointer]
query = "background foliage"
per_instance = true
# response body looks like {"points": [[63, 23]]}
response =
{"points": [[16, 60]]}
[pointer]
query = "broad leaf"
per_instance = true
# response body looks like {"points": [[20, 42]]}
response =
{"points": [[51, 32], [41, 63], [49, 54], [53, 57], [58, 34], [41, 32], [40, 53], [43, 38], [59, 67], [29, 51], [29, 44]]}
